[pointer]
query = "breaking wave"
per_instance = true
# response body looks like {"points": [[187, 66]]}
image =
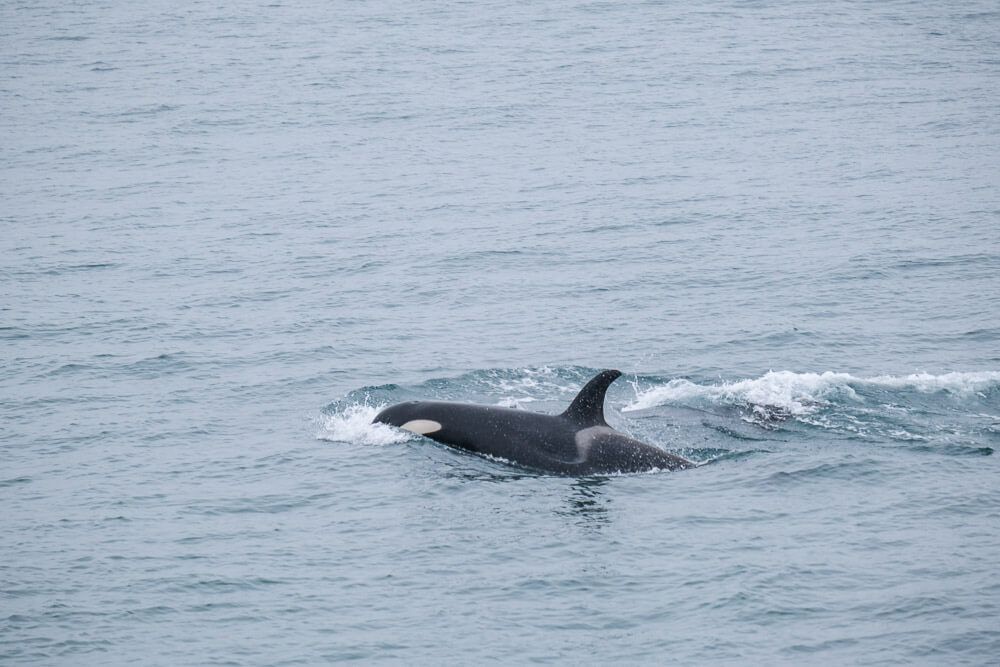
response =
{"points": [[803, 393]]}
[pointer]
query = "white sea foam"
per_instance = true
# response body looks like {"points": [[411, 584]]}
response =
{"points": [[955, 382], [529, 386], [802, 393], [530, 381], [354, 424], [516, 403]]}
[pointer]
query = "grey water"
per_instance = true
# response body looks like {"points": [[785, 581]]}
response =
{"points": [[232, 231]]}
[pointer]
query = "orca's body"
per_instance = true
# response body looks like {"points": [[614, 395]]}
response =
{"points": [[576, 442]]}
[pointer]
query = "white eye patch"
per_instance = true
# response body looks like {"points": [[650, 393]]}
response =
{"points": [[421, 426]]}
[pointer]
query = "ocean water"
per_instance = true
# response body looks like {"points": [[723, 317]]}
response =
{"points": [[232, 231]]}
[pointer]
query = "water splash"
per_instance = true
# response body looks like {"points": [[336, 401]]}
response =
{"points": [[798, 394], [959, 383], [353, 423], [785, 391]]}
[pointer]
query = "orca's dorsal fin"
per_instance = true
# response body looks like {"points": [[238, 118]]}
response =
{"points": [[587, 409]]}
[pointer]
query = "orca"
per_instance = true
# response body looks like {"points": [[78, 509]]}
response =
{"points": [[576, 442]]}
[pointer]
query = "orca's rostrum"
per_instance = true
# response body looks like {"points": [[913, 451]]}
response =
{"points": [[576, 442]]}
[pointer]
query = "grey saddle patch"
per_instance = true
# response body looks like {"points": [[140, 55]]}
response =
{"points": [[585, 440]]}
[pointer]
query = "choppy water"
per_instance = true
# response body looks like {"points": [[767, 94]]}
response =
{"points": [[230, 233]]}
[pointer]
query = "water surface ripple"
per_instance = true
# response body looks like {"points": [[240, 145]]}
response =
{"points": [[231, 232]]}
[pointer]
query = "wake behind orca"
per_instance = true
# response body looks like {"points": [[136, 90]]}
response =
{"points": [[576, 442]]}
